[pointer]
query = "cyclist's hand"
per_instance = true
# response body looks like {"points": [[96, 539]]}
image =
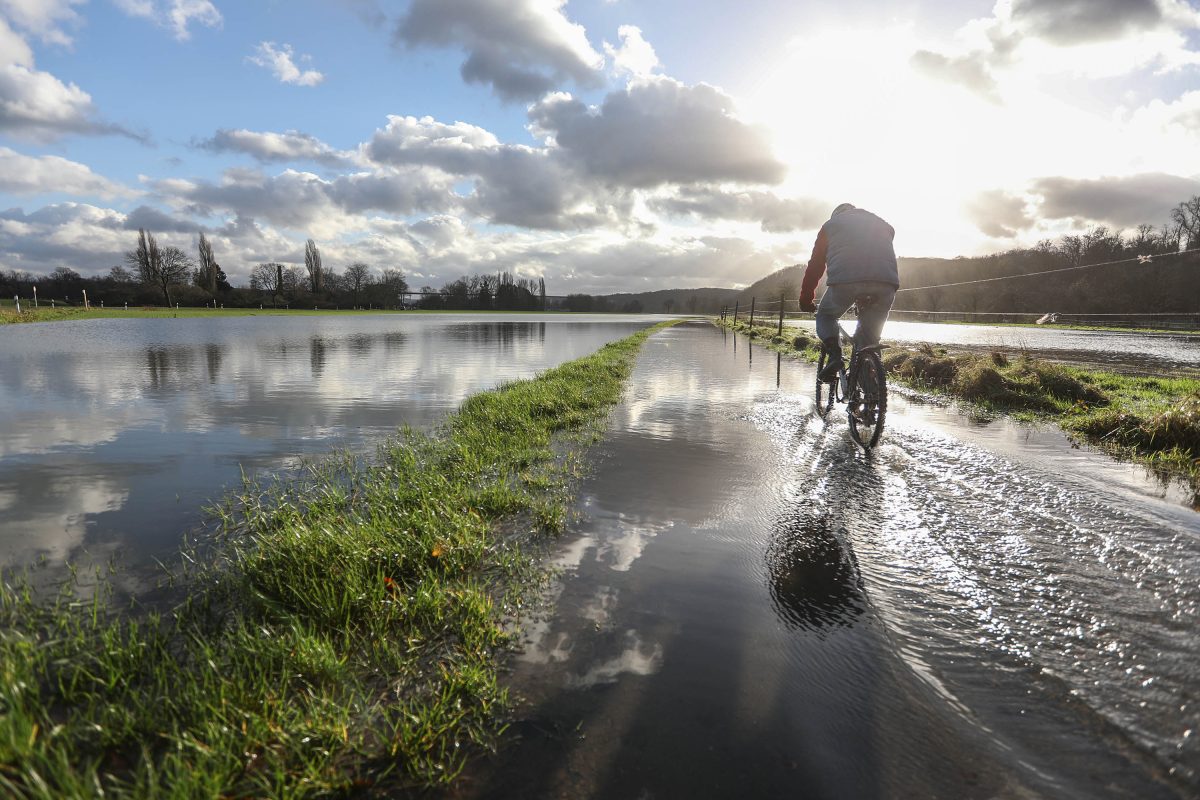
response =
{"points": [[807, 305]]}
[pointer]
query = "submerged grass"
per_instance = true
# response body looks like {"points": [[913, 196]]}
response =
{"points": [[341, 636], [1152, 420]]}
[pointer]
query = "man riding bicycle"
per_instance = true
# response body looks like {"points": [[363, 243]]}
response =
{"points": [[855, 246]]}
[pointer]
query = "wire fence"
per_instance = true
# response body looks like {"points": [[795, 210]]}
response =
{"points": [[780, 310]]}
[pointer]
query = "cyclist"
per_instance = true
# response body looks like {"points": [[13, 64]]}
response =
{"points": [[855, 246]]}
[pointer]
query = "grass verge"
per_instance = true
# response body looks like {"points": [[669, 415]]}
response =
{"points": [[1152, 420], [342, 636]]}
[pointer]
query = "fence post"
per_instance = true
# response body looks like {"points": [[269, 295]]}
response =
{"points": [[17, 300], [85, 300], [781, 315], [735, 311], [752, 301], [35, 302]]}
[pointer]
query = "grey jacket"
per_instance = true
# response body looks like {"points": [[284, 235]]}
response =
{"points": [[854, 245]]}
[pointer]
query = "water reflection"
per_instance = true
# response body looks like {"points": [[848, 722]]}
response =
{"points": [[814, 578], [117, 432]]}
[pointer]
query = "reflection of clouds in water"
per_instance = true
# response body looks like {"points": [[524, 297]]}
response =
{"points": [[637, 658], [623, 544], [192, 399], [58, 526], [538, 643], [600, 608], [34, 432], [571, 556]]}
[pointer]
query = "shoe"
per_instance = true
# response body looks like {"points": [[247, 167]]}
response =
{"points": [[831, 371], [833, 349]]}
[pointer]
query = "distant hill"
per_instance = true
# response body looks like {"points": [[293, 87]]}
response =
{"points": [[672, 301], [1169, 283]]}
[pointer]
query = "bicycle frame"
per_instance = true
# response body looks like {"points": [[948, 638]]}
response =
{"points": [[866, 406]]}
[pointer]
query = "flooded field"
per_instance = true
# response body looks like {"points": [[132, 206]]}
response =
{"points": [[750, 607], [115, 433], [1135, 351]]}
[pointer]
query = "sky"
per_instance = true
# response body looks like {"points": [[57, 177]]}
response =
{"points": [[605, 145]]}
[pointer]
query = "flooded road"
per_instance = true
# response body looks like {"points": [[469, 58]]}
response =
{"points": [[750, 607], [1135, 351], [116, 433]]}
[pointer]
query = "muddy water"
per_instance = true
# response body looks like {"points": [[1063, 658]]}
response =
{"points": [[1135, 352], [749, 607], [114, 434]]}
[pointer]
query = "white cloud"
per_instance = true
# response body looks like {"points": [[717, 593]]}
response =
{"points": [[658, 131], [999, 214], [304, 202], [266, 146], [35, 104], [46, 19], [635, 56], [773, 213], [23, 174], [278, 59], [1025, 39], [1123, 201], [521, 48], [177, 15]]}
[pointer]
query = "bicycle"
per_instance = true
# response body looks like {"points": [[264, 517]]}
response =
{"points": [[861, 385]]}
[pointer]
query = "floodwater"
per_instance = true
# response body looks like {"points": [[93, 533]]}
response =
{"points": [[116, 433], [1135, 351], [751, 607]]}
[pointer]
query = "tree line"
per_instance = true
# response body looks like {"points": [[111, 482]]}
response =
{"points": [[500, 292], [156, 274], [1154, 277]]}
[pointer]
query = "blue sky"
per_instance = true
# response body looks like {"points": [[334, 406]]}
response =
{"points": [[604, 145]]}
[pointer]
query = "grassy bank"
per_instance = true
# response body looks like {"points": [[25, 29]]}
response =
{"points": [[344, 633], [8, 315], [1155, 421]]}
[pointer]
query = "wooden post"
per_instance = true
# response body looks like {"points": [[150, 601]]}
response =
{"points": [[752, 301], [17, 300], [781, 315], [85, 300], [35, 303], [735, 311]]}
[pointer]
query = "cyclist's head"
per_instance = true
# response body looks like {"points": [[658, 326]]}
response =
{"points": [[840, 209]]}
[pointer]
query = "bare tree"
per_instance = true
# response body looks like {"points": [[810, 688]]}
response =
{"points": [[1186, 216], [268, 277], [357, 275], [392, 288], [208, 266], [119, 274], [158, 266], [312, 263]]}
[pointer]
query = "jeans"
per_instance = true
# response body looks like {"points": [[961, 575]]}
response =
{"points": [[838, 298]]}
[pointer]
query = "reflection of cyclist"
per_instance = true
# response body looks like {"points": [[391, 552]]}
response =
{"points": [[856, 248]]}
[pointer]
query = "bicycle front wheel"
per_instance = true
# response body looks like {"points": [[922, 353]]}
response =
{"points": [[868, 403]]}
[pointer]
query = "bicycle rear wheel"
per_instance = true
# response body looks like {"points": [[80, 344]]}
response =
{"points": [[825, 393], [868, 401]]}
